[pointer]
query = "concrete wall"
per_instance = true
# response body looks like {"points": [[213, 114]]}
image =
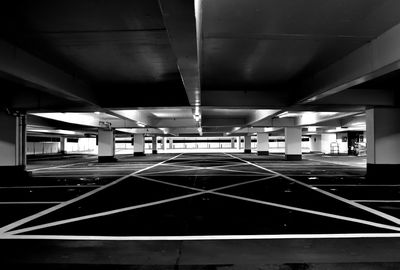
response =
{"points": [[343, 141], [40, 148], [84, 145], [326, 140], [315, 143]]}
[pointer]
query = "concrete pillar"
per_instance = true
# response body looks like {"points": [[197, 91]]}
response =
{"points": [[154, 144], [171, 143], [233, 143], [138, 145], [383, 143], [63, 144], [238, 143], [106, 143], [247, 144], [262, 143], [164, 143], [12, 145], [293, 143]]}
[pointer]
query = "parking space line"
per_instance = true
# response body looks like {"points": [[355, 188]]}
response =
{"points": [[204, 237], [60, 186], [201, 192], [63, 204], [129, 208], [378, 201], [353, 203], [32, 202]]}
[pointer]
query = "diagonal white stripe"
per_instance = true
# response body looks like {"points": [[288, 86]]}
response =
{"points": [[61, 205], [355, 204], [120, 210]]}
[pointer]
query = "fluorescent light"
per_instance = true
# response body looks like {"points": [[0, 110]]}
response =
{"points": [[96, 112], [140, 124]]}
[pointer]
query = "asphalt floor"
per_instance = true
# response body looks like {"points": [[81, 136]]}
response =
{"points": [[202, 198]]}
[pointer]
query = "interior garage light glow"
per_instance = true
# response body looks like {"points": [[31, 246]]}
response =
{"points": [[312, 129], [96, 112], [57, 131], [140, 124]]}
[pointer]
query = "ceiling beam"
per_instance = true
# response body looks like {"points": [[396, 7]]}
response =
{"points": [[374, 59], [180, 22], [23, 66]]}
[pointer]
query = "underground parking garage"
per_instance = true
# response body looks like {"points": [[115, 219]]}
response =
{"points": [[202, 134]]}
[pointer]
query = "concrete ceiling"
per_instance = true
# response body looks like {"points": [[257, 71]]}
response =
{"points": [[205, 66]]}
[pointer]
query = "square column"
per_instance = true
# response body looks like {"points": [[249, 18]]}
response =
{"points": [[106, 142], [293, 144], [13, 145], [233, 143], [63, 142], [238, 143], [383, 143], [138, 145], [171, 143], [262, 144], [164, 143], [247, 144], [154, 144]]}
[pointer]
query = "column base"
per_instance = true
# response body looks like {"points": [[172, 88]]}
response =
{"points": [[293, 157], [14, 172], [383, 172], [154, 152], [105, 159], [247, 151], [263, 153], [138, 154]]}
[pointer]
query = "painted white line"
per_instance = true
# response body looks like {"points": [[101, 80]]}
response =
{"points": [[355, 204], [354, 185], [129, 208], [61, 205], [204, 237], [81, 175], [182, 166], [60, 186], [56, 167], [378, 201], [49, 202], [355, 220], [211, 191], [171, 171], [363, 165]]}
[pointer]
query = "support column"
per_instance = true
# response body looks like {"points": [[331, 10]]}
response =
{"points": [[63, 142], [154, 144], [383, 143], [164, 143], [106, 143], [262, 144], [293, 144], [171, 143], [238, 143], [233, 143], [138, 145], [247, 144], [13, 146]]}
